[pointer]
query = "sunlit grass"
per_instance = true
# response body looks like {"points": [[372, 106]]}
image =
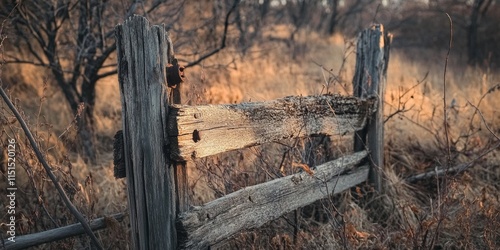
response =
{"points": [[413, 134]]}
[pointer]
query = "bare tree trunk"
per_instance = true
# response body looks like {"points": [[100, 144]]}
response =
{"points": [[472, 32], [86, 134], [332, 24], [84, 119], [479, 9]]}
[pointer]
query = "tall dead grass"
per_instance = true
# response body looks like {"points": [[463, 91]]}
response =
{"points": [[404, 217], [91, 188]]}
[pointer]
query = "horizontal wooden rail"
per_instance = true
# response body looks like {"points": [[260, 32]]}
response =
{"points": [[29, 240], [253, 206], [199, 131]]}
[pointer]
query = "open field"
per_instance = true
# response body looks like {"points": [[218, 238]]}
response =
{"points": [[458, 211]]}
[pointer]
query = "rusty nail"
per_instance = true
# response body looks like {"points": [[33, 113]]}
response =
{"points": [[175, 74]]}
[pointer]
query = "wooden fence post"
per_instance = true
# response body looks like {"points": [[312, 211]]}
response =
{"points": [[142, 61], [372, 60]]}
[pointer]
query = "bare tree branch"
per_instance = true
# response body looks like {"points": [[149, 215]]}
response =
{"points": [[223, 42], [438, 172], [484, 121], [17, 61], [110, 73]]}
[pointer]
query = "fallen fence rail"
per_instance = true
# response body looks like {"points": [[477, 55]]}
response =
{"points": [[35, 239]]}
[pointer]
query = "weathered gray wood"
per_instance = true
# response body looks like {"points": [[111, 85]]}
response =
{"points": [[118, 156], [30, 240], [253, 206], [181, 176], [142, 59], [182, 187], [372, 59], [201, 131]]}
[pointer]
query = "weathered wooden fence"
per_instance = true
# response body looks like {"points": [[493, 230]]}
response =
{"points": [[159, 136]]}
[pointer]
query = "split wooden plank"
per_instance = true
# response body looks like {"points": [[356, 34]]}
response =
{"points": [[253, 206], [199, 131]]}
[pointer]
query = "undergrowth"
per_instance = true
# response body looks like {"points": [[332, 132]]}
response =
{"points": [[405, 216]]}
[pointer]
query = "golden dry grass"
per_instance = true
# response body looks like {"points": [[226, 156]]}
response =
{"points": [[405, 217]]}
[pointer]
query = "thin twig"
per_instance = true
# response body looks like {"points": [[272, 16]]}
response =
{"points": [[400, 109], [47, 168], [490, 90], [333, 76], [447, 138], [446, 132], [484, 121]]}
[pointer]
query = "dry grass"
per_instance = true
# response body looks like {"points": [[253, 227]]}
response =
{"points": [[405, 217]]}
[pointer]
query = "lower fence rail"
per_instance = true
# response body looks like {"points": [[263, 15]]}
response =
{"points": [[253, 206]]}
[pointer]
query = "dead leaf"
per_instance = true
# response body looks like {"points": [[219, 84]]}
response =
{"points": [[304, 167]]}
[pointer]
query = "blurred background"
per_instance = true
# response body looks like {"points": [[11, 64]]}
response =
{"points": [[58, 64]]}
